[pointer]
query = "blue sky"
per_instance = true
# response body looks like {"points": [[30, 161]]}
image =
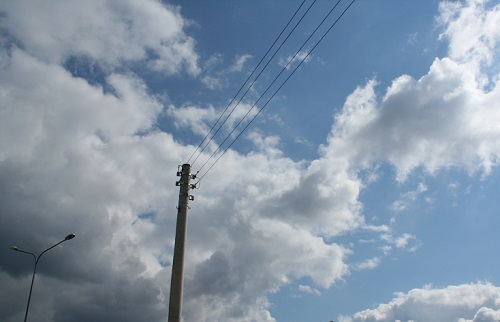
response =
{"points": [[366, 190]]}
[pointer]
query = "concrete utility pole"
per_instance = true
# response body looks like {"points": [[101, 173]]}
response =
{"points": [[175, 305]]}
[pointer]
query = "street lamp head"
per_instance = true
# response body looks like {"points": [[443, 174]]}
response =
{"points": [[37, 258]]}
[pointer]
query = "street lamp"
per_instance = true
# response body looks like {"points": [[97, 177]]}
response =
{"points": [[70, 236]]}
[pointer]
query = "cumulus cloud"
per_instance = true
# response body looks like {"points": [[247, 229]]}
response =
{"points": [[71, 161], [201, 120], [90, 159], [413, 126], [471, 30], [447, 118], [370, 263], [78, 159], [193, 117], [466, 302], [108, 32], [484, 315]]}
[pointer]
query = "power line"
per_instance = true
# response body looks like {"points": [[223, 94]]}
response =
{"points": [[243, 85], [270, 85], [251, 85], [282, 84]]}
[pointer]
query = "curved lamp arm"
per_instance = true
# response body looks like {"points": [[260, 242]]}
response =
{"points": [[70, 236]]}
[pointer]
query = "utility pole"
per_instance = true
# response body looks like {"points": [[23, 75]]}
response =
{"points": [[175, 304]]}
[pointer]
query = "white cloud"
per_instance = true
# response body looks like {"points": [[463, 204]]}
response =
{"points": [[472, 31], [484, 314], [73, 160], [201, 120], [412, 39], [93, 163], [403, 242], [216, 76], [454, 124], [267, 144], [212, 82], [197, 119], [239, 62], [43, 109], [297, 58], [370, 263], [308, 289], [108, 32], [466, 302], [407, 198], [444, 119], [74, 157]]}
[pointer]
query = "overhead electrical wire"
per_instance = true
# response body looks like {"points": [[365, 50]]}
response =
{"points": [[255, 80], [244, 83], [285, 67], [278, 89]]}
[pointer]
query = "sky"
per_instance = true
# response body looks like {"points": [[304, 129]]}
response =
{"points": [[365, 188]]}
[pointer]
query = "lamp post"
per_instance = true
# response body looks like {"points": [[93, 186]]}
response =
{"points": [[70, 236]]}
